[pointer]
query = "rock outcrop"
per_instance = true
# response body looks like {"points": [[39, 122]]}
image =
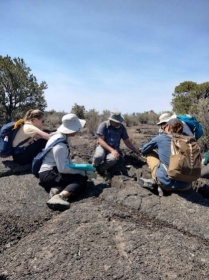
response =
{"points": [[120, 232]]}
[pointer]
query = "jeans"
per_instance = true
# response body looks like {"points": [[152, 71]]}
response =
{"points": [[103, 159]]}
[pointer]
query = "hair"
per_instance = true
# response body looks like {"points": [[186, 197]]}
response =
{"points": [[32, 114], [177, 127]]}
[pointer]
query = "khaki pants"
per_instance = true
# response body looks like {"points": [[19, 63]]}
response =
{"points": [[153, 163]]}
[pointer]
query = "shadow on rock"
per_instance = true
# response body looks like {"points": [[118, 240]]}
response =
{"points": [[9, 167], [194, 197]]}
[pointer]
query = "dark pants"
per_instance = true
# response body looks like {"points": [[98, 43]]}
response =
{"points": [[26, 155], [74, 183]]}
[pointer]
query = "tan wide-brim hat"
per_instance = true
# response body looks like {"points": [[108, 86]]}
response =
{"points": [[70, 124], [116, 117], [165, 117]]}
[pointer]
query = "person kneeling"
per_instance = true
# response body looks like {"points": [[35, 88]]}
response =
{"points": [[55, 174], [158, 152]]}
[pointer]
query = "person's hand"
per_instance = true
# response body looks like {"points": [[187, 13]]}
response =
{"points": [[91, 174], [206, 161], [137, 151], [115, 154]]}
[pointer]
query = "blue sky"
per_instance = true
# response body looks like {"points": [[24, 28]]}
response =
{"points": [[126, 55]]}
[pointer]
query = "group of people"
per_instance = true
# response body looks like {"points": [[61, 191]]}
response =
{"points": [[158, 152], [63, 181], [56, 174]]}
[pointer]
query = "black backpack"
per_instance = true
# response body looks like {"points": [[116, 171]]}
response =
{"points": [[37, 161]]}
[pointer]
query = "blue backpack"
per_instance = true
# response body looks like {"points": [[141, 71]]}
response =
{"points": [[194, 125], [7, 135], [37, 161]]}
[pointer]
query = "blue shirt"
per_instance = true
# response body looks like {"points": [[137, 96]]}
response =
{"points": [[162, 143], [111, 134]]}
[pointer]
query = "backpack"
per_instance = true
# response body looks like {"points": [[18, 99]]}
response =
{"points": [[37, 161], [7, 135], [185, 159], [194, 125]]}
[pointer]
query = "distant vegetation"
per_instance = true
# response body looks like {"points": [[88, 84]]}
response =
{"points": [[20, 91]]}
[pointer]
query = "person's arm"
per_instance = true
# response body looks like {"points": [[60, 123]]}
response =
{"points": [[104, 145], [62, 159], [41, 134], [129, 144], [35, 132], [151, 145]]}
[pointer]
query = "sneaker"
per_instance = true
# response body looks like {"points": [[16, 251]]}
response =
{"points": [[58, 202], [147, 183], [55, 190]]}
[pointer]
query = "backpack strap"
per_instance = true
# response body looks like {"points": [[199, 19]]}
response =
{"points": [[53, 144]]}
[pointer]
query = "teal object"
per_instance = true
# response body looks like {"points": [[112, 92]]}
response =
{"points": [[206, 158], [195, 126], [82, 166]]}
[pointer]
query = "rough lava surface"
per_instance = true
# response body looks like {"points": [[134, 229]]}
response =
{"points": [[120, 232]]}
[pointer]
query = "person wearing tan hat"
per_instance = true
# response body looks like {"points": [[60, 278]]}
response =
{"points": [[165, 117], [55, 174], [110, 133], [162, 143]]}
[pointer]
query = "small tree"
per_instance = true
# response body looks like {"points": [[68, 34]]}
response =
{"points": [[203, 117], [187, 95], [19, 90], [92, 121], [79, 110]]}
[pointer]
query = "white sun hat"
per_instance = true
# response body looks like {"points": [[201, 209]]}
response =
{"points": [[70, 124], [165, 117]]}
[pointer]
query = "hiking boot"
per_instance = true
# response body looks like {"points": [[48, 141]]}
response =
{"points": [[101, 173], [160, 191], [108, 178], [147, 183], [55, 190], [58, 202], [163, 191]]}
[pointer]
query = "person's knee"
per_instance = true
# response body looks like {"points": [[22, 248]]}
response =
{"points": [[97, 160], [111, 161]]}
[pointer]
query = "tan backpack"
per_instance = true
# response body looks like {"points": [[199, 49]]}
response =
{"points": [[185, 160]]}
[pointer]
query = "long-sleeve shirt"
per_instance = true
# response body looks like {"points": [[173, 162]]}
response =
{"points": [[162, 143], [59, 156]]}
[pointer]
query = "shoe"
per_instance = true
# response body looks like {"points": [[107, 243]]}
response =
{"points": [[108, 179], [147, 183], [101, 173], [58, 202], [160, 191], [55, 190]]}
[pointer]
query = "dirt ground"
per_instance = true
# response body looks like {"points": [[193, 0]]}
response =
{"points": [[120, 232]]}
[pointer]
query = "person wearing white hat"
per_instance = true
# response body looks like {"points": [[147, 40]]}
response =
{"points": [[55, 174], [165, 117], [162, 143], [163, 120], [110, 133]]}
